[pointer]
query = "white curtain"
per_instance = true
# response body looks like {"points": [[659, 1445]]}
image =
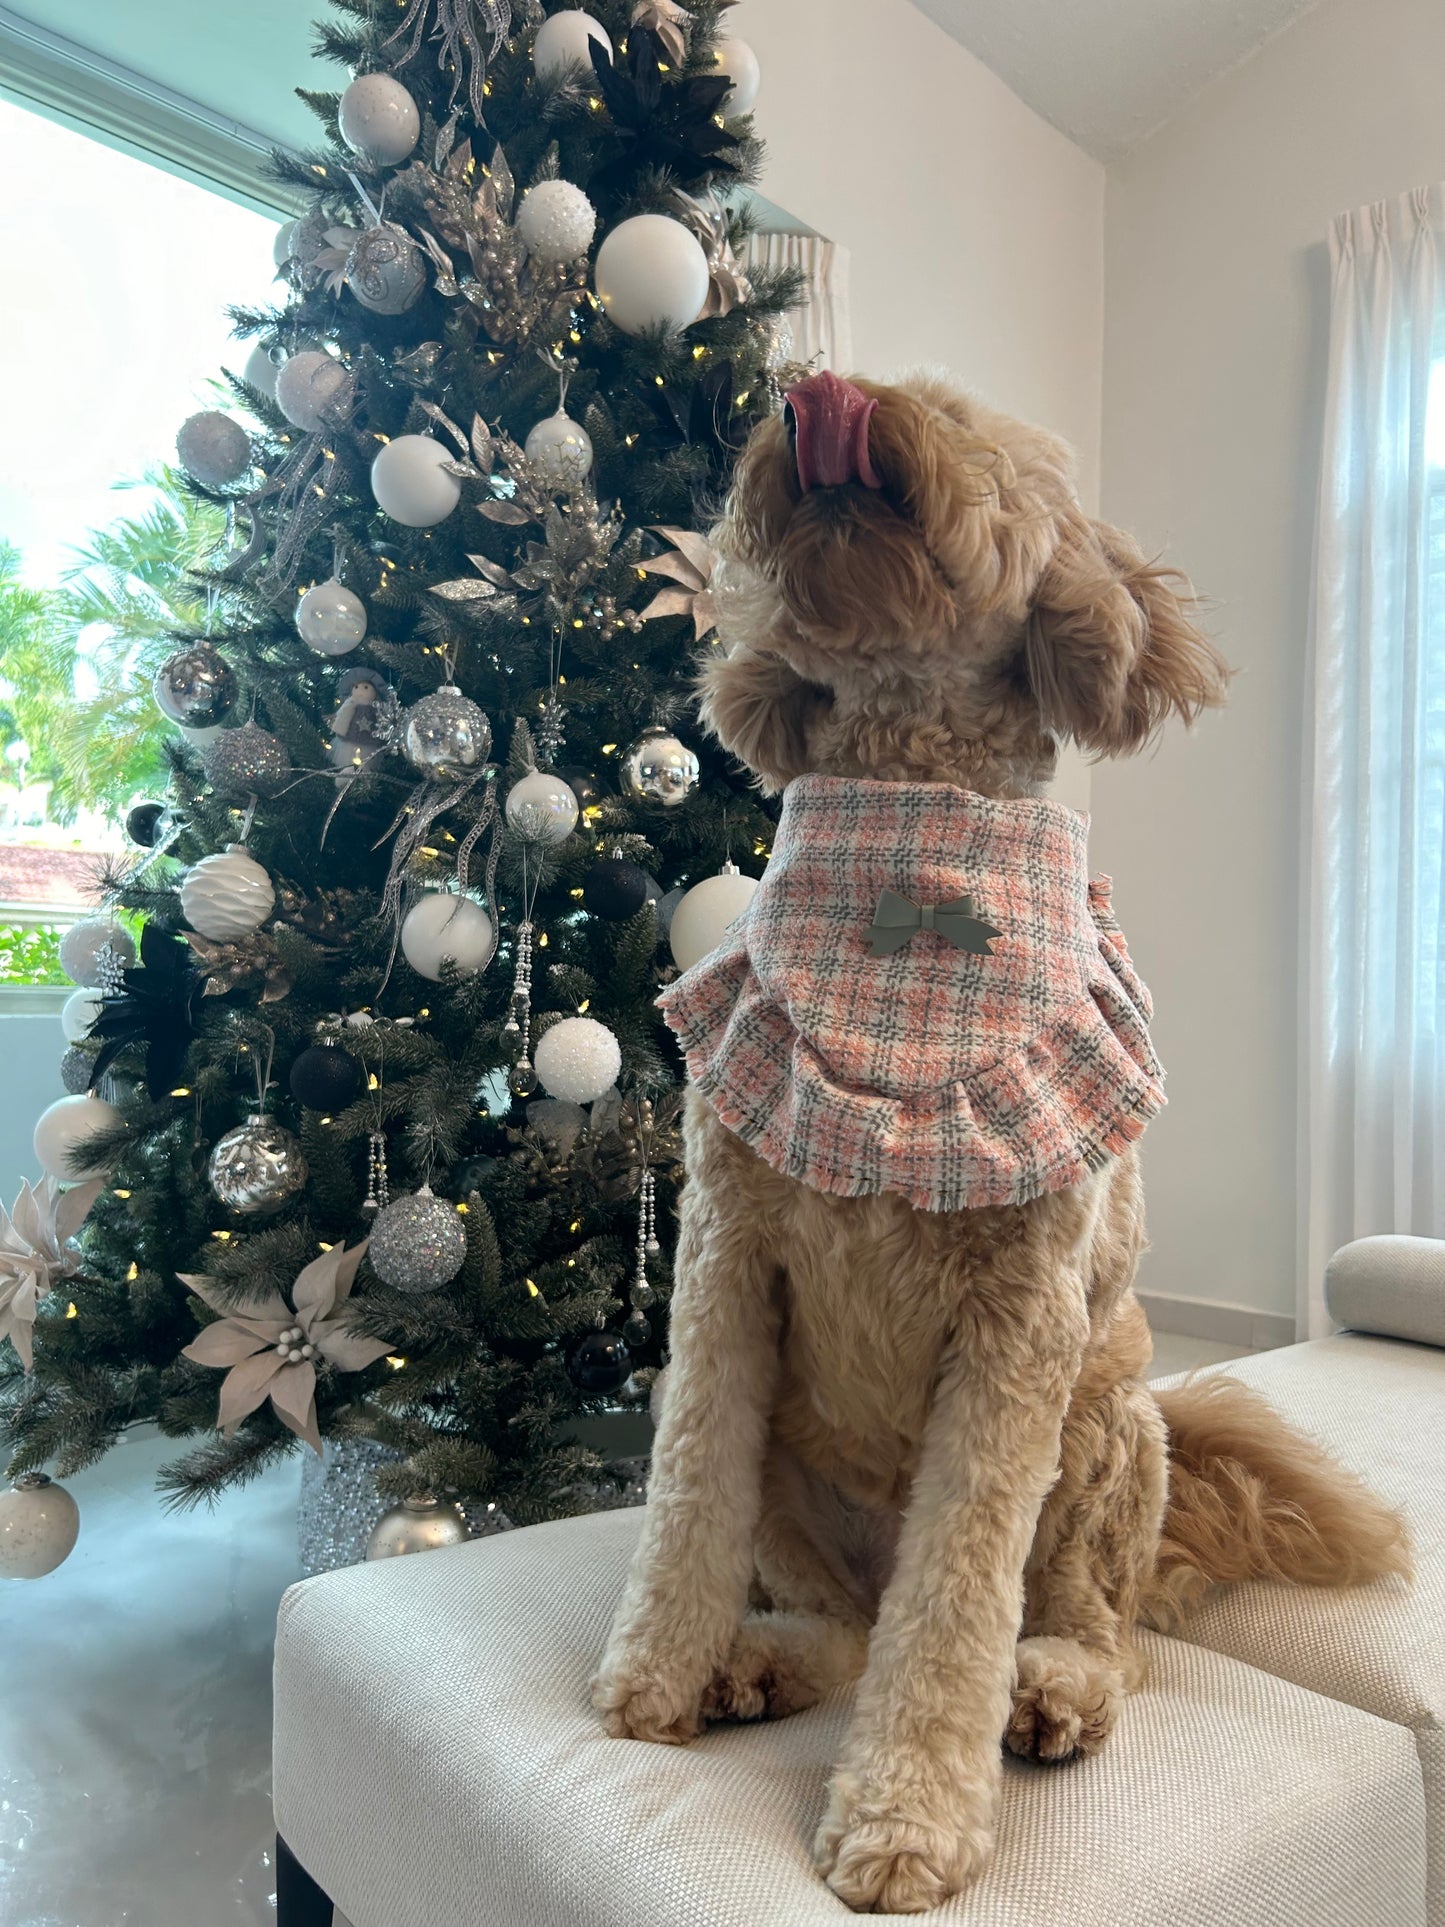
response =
{"points": [[822, 332], [1373, 1050]]}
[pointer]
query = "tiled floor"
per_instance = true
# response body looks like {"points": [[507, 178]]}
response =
{"points": [[135, 1712]]}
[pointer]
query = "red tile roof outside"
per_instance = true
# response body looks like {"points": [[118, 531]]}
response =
{"points": [[58, 883]]}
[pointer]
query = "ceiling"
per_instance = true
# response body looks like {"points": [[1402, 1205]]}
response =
{"points": [[1108, 72]]}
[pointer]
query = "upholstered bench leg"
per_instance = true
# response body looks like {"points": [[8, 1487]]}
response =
{"points": [[299, 1901]]}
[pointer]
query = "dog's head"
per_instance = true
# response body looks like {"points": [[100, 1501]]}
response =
{"points": [[909, 587]]}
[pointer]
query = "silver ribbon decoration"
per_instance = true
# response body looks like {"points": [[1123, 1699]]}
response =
{"points": [[898, 920], [453, 25]]}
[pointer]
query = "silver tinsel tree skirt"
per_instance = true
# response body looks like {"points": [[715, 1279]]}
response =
{"points": [[340, 1505]]}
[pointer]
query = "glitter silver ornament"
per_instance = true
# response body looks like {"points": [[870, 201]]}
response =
{"points": [[385, 270], [541, 808], [418, 1244], [310, 388], [248, 761], [75, 1069], [446, 735], [340, 1506], [561, 449], [421, 1523], [214, 450], [196, 687], [556, 222], [659, 768], [258, 1167]]}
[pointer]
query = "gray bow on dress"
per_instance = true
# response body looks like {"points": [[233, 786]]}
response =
{"points": [[898, 920]]}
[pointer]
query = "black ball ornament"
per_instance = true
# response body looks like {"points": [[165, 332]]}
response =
{"points": [[326, 1078], [601, 1363], [468, 1176], [583, 785], [614, 889], [143, 824]]}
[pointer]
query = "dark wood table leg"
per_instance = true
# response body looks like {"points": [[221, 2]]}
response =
{"points": [[299, 1901]]}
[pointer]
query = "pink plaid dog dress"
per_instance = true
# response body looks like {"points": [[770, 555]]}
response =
{"points": [[998, 1050]]}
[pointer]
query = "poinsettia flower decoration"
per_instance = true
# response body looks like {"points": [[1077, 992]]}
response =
{"points": [[271, 1351], [691, 563], [36, 1253]]}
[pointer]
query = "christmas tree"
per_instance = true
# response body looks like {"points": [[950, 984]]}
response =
{"points": [[384, 967]]}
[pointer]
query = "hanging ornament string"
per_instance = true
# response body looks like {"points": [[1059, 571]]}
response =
{"points": [[453, 26], [378, 1187], [642, 1294], [518, 1027]]}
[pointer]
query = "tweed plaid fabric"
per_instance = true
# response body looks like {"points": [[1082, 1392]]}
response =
{"points": [[956, 1080]]}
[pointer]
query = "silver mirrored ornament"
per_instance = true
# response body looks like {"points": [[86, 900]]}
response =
{"points": [[541, 808], [330, 618], [386, 270], [258, 1167], [446, 735], [248, 761], [418, 1244], [659, 768], [421, 1523], [196, 687], [214, 450]]}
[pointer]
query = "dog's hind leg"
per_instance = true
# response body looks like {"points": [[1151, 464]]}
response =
{"points": [[1092, 1553]]}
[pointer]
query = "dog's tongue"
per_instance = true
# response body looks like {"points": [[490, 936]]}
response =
{"points": [[830, 422]]}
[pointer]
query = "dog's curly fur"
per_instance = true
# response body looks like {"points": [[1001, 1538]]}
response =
{"points": [[917, 1449]]}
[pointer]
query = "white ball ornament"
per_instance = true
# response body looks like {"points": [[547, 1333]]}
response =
{"points": [[227, 896], [736, 59], [562, 43], [78, 1013], [262, 367], [577, 1059], [411, 485], [701, 919], [651, 273], [39, 1525], [331, 619], [562, 449], [379, 120], [82, 944], [61, 1130], [214, 450], [556, 222], [442, 929], [541, 808], [308, 387]]}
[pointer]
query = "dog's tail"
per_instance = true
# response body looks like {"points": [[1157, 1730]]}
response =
{"points": [[1251, 1498]]}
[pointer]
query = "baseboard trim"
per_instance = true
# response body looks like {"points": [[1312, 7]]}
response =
{"points": [[1256, 1331]]}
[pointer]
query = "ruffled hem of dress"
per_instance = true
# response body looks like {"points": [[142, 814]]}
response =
{"points": [[1080, 1093]]}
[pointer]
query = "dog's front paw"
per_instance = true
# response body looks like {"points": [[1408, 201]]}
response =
{"points": [[642, 1700], [1065, 1701], [895, 1855]]}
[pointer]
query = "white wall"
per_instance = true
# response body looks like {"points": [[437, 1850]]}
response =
{"points": [[975, 228], [1216, 302]]}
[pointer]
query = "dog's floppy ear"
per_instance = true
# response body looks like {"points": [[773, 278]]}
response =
{"points": [[759, 709], [1113, 648]]}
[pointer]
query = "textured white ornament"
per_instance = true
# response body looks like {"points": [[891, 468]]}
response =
{"points": [[378, 119], [562, 449], [78, 1013], [651, 273], [442, 929], [736, 59], [330, 618], [308, 385], [562, 43], [214, 450], [39, 1525], [63, 1127], [556, 222], [541, 808], [82, 943], [227, 896], [262, 367], [701, 919], [386, 270], [410, 484], [577, 1059]]}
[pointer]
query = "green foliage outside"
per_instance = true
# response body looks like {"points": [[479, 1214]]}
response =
{"points": [[31, 956]]}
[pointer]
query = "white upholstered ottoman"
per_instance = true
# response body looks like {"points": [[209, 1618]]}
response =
{"points": [[438, 1765]]}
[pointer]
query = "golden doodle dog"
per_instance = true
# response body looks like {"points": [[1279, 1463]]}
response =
{"points": [[906, 1438]]}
